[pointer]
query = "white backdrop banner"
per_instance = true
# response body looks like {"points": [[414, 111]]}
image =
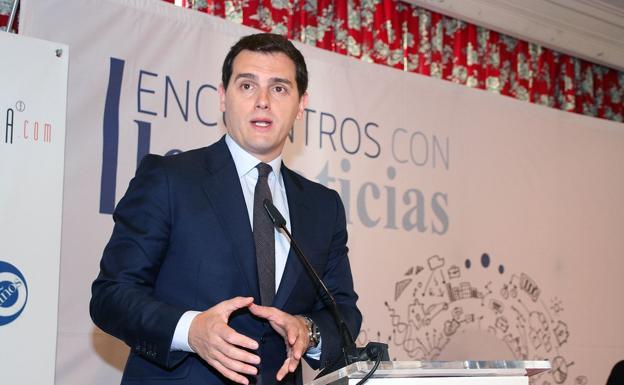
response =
{"points": [[480, 227], [33, 93]]}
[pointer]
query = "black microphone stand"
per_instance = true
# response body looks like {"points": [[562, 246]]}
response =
{"points": [[350, 352]]}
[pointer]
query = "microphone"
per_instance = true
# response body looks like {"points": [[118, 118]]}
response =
{"points": [[351, 353]]}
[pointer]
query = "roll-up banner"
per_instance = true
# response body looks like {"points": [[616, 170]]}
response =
{"points": [[33, 92]]}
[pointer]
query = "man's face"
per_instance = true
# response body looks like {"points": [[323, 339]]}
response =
{"points": [[261, 102]]}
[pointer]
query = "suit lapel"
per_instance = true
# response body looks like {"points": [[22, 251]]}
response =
{"points": [[224, 192], [222, 186], [297, 209]]}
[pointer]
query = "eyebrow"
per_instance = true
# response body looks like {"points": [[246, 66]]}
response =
{"points": [[273, 80]]}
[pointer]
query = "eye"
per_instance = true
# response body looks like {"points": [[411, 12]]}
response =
{"points": [[280, 89], [246, 86]]}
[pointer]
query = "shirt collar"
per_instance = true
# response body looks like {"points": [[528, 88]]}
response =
{"points": [[245, 162]]}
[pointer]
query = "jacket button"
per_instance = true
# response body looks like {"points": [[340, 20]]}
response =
{"points": [[262, 339]]}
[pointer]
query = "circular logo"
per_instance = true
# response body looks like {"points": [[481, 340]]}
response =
{"points": [[20, 106], [13, 293]]}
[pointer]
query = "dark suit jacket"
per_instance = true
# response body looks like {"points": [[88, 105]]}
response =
{"points": [[183, 241]]}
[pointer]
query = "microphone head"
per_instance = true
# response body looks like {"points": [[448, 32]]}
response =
{"points": [[273, 213]]}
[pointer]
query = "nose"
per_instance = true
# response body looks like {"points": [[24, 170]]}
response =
{"points": [[262, 102]]}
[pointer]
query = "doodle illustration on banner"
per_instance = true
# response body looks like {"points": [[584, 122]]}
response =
{"points": [[13, 293], [433, 303]]}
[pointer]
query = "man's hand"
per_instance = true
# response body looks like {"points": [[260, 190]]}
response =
{"points": [[293, 329], [220, 345]]}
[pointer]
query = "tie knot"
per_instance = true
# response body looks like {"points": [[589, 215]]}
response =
{"points": [[263, 170]]}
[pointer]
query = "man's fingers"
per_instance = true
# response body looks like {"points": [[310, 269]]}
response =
{"points": [[263, 311], [228, 373], [293, 363], [297, 352], [234, 365], [231, 305], [230, 356], [283, 371], [292, 333], [237, 354], [300, 346], [221, 346], [230, 336], [289, 366]]}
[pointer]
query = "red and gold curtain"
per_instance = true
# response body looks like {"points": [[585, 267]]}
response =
{"points": [[5, 11], [413, 39]]}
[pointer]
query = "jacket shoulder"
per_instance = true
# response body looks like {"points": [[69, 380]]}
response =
{"points": [[309, 187]]}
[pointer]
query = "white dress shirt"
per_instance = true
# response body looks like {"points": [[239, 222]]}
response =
{"points": [[248, 176]]}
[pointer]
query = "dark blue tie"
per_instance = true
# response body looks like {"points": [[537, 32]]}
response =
{"points": [[264, 237]]}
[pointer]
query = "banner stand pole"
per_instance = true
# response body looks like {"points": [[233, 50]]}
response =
{"points": [[12, 16]]}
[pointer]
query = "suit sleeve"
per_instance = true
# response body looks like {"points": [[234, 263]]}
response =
{"points": [[338, 279], [122, 302]]}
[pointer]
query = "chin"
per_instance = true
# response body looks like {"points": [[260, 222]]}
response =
{"points": [[258, 148]]}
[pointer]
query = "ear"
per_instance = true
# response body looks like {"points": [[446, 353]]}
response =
{"points": [[221, 97], [303, 103]]}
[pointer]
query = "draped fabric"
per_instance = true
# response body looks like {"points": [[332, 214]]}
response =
{"points": [[414, 39], [5, 11]]}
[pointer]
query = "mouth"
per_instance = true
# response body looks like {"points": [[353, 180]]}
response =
{"points": [[262, 123]]}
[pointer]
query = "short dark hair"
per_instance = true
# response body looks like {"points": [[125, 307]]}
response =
{"points": [[267, 43]]}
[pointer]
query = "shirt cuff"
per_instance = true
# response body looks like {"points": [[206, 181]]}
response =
{"points": [[180, 335], [315, 352]]}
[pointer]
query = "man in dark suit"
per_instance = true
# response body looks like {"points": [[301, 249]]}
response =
{"points": [[195, 279]]}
